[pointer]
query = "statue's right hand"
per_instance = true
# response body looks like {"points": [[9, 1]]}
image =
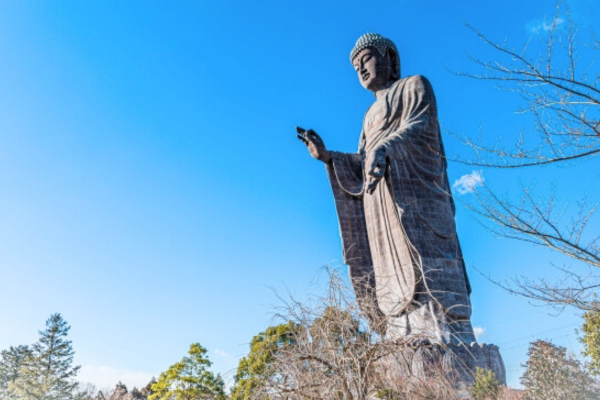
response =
{"points": [[314, 143]]}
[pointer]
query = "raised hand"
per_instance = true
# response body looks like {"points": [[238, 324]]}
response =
{"points": [[376, 164], [314, 143]]}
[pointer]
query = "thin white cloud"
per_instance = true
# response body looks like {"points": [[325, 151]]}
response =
{"points": [[543, 25], [226, 358], [222, 353], [108, 377], [479, 331], [469, 182]]}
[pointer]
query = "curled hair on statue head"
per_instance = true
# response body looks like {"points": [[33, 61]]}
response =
{"points": [[383, 45]]}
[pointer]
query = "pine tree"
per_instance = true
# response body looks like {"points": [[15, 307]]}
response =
{"points": [[486, 386], [591, 340], [48, 373], [189, 379], [11, 363], [147, 390], [255, 370]]}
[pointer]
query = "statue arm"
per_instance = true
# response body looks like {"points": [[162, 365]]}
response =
{"points": [[346, 169]]}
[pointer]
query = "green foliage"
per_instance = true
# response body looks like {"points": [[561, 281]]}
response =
{"points": [[47, 372], [591, 340], [42, 371], [11, 363], [388, 394], [486, 386], [551, 374], [336, 326], [256, 368], [189, 379]]}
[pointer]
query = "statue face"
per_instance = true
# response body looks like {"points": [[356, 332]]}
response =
{"points": [[373, 70]]}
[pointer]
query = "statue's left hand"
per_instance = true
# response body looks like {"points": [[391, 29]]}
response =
{"points": [[376, 165]]}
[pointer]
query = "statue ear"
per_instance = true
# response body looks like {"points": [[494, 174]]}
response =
{"points": [[394, 61]]}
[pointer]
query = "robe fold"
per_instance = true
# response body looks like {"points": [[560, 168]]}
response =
{"points": [[400, 242]]}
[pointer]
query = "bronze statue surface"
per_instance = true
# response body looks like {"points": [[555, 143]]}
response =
{"points": [[395, 208]]}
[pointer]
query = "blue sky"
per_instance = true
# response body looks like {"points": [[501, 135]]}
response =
{"points": [[153, 190]]}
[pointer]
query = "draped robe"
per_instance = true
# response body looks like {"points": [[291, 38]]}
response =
{"points": [[400, 242]]}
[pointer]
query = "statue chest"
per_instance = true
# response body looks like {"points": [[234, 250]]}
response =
{"points": [[376, 116], [376, 122]]}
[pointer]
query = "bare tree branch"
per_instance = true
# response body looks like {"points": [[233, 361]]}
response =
{"points": [[337, 353], [563, 97], [560, 90]]}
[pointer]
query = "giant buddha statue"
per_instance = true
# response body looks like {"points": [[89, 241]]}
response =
{"points": [[395, 207]]}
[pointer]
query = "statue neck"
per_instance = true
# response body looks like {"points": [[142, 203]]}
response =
{"points": [[382, 91]]}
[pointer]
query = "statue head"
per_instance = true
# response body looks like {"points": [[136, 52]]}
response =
{"points": [[376, 60]]}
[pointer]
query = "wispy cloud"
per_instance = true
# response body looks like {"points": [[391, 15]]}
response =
{"points": [[222, 353], [479, 331], [108, 377], [538, 25], [469, 182]]}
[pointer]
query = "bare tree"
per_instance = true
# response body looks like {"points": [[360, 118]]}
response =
{"points": [[510, 394], [552, 374], [559, 86], [333, 350]]}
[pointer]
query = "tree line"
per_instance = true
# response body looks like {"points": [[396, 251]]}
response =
{"points": [[328, 351], [321, 349]]}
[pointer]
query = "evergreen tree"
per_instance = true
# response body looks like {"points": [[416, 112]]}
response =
{"points": [[147, 390], [591, 340], [48, 373], [486, 386], [11, 362], [255, 371], [189, 379]]}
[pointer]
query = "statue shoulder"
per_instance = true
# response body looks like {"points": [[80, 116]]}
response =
{"points": [[417, 82]]}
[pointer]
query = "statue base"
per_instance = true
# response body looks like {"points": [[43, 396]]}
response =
{"points": [[456, 362]]}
